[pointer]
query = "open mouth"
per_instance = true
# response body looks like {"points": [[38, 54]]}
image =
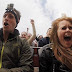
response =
{"points": [[5, 24], [67, 38]]}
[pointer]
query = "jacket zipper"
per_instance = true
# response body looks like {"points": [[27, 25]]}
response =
{"points": [[3, 50], [1, 55]]}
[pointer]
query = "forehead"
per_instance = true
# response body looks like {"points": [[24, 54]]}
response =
{"points": [[64, 23], [23, 33], [8, 13]]}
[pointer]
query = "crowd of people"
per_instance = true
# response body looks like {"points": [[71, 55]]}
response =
{"points": [[15, 52]]}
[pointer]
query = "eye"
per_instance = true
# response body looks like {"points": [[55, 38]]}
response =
{"points": [[63, 28], [5, 15], [11, 16], [70, 28]]}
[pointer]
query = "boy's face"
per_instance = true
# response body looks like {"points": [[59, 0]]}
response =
{"points": [[9, 22]]}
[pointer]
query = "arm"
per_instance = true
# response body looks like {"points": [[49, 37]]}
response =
{"points": [[34, 33]]}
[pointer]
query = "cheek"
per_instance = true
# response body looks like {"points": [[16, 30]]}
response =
{"points": [[60, 35], [13, 24], [3, 21]]}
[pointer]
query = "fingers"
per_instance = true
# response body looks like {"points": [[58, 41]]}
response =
{"points": [[32, 21]]}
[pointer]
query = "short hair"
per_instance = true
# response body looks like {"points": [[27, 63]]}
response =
{"points": [[15, 12]]}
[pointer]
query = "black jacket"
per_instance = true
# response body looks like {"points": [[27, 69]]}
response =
{"points": [[48, 62], [43, 41]]}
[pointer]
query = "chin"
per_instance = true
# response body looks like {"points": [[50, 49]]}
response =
{"points": [[5, 30]]}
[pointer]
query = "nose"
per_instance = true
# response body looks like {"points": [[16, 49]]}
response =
{"points": [[6, 18], [67, 29]]}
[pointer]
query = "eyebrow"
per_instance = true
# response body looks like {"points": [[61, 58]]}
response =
{"points": [[11, 11]]}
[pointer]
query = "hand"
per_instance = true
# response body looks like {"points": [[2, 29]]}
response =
{"points": [[32, 21]]}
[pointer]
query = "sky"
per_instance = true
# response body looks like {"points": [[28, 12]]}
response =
{"points": [[42, 11]]}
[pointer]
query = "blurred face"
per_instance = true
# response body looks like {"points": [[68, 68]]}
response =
{"points": [[23, 34], [40, 37], [9, 22], [65, 33], [49, 32]]}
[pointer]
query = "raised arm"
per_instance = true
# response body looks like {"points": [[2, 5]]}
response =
{"points": [[30, 40]]}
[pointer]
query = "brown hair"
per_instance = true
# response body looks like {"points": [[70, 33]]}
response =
{"points": [[54, 36], [61, 54], [15, 12]]}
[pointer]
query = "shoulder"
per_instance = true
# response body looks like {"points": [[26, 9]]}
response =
{"points": [[42, 40], [47, 51]]}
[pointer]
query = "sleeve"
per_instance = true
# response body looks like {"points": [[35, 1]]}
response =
{"points": [[25, 63], [45, 61]]}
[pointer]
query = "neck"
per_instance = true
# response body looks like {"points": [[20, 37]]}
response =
{"points": [[5, 36]]}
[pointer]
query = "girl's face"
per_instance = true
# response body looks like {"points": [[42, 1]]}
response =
{"points": [[65, 33]]}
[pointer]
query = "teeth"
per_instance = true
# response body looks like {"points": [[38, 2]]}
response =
{"points": [[67, 35]]}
